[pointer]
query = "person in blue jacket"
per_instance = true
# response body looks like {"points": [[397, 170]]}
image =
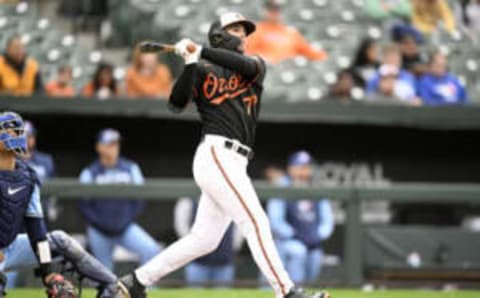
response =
{"points": [[300, 227], [40, 161], [438, 86], [111, 221]]}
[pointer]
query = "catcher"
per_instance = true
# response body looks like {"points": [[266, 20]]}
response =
{"points": [[20, 209]]}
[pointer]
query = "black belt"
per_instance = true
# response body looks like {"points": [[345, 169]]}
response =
{"points": [[239, 149]]}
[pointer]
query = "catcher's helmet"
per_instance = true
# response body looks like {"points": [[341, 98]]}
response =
{"points": [[219, 38], [13, 122]]}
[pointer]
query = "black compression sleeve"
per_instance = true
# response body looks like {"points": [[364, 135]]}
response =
{"points": [[37, 232], [182, 91], [246, 66]]}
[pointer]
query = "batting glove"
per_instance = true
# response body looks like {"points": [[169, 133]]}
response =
{"points": [[193, 57], [181, 46], [181, 49]]}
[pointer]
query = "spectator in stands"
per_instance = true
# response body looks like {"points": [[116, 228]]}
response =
{"points": [[381, 10], [62, 86], [467, 13], [341, 90], [300, 227], [276, 175], [367, 61], [103, 85], [216, 268], [147, 78], [19, 74], [409, 40], [275, 41], [431, 15], [111, 222], [392, 80], [393, 88], [438, 86]]}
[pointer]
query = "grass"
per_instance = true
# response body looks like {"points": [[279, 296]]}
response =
{"points": [[38, 293]]}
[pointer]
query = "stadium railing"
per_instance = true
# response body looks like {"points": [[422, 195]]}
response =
{"points": [[363, 113], [352, 197]]}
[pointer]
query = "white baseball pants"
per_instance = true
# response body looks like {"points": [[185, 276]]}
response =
{"points": [[227, 194]]}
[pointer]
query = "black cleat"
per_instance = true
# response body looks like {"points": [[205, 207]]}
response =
{"points": [[3, 284], [133, 286], [117, 290], [299, 293]]}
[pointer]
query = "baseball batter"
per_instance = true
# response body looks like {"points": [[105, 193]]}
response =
{"points": [[226, 88]]}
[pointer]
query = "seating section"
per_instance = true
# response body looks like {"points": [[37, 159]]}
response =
{"points": [[337, 26]]}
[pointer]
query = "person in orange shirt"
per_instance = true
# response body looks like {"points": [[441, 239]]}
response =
{"points": [[103, 85], [275, 41], [148, 78], [19, 73], [62, 86]]}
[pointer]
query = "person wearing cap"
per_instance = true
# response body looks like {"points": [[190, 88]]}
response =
{"points": [[300, 227], [227, 87], [111, 221], [40, 161], [44, 166], [391, 81], [409, 40], [276, 42], [19, 74], [438, 86]]}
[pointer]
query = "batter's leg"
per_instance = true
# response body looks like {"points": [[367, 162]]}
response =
{"points": [[229, 185], [207, 232]]}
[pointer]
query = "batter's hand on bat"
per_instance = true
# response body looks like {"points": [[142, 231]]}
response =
{"points": [[189, 50]]}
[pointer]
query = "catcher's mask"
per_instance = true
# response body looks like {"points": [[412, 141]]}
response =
{"points": [[220, 38], [12, 132]]}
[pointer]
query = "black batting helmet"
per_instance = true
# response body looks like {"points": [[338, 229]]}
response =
{"points": [[219, 38]]}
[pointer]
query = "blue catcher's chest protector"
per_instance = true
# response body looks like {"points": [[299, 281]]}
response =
{"points": [[16, 188]]}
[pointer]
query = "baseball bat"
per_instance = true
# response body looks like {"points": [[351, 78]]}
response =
{"points": [[158, 47]]}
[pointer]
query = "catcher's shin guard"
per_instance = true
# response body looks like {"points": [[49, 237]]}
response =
{"points": [[64, 245], [299, 293]]}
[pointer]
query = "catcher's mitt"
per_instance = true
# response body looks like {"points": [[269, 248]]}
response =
{"points": [[58, 287]]}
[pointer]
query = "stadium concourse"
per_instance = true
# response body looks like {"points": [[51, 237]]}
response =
{"points": [[365, 158]]}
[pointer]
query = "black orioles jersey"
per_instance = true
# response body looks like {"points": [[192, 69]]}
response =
{"points": [[228, 103], [227, 100]]}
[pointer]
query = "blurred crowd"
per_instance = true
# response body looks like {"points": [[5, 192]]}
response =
{"points": [[403, 71], [299, 227]]}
